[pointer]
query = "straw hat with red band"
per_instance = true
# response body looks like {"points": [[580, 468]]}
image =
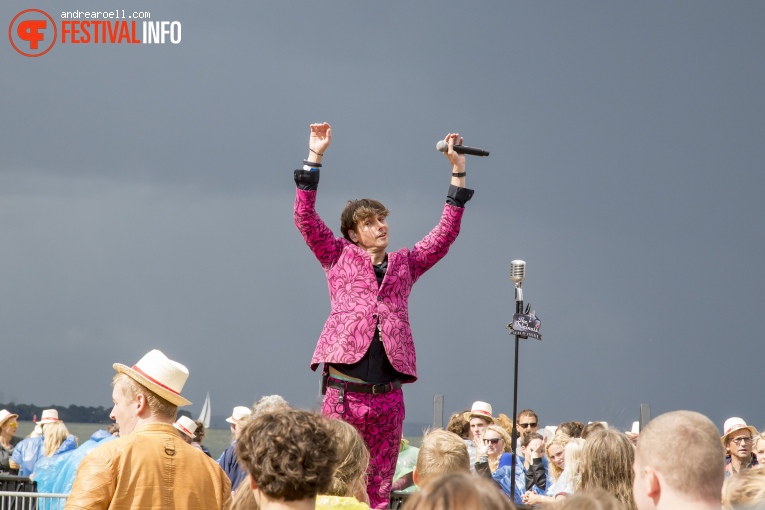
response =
{"points": [[158, 373], [48, 416], [5, 414], [480, 410], [732, 425], [186, 425]]}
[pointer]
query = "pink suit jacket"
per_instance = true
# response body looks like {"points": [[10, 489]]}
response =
{"points": [[357, 302]]}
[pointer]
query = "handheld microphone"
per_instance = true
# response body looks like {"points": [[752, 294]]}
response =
{"points": [[442, 146]]}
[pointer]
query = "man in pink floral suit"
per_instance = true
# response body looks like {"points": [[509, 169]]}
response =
{"points": [[366, 345]]}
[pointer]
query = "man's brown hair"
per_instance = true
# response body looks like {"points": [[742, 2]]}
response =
{"points": [[357, 211]]}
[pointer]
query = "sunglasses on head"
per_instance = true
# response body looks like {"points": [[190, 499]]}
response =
{"points": [[494, 440], [527, 425]]}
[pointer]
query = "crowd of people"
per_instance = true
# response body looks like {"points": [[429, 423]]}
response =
{"points": [[282, 457]]}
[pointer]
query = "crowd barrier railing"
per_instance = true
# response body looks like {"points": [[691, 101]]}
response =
{"points": [[10, 500]]}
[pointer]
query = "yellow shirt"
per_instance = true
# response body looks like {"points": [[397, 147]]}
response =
{"points": [[339, 503]]}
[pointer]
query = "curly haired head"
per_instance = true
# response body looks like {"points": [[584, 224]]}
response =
{"points": [[559, 440], [459, 425], [290, 454], [504, 421]]}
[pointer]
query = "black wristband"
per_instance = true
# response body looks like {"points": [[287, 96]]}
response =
{"points": [[311, 164], [461, 174], [318, 154]]}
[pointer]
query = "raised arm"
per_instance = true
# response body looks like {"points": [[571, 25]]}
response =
{"points": [[317, 235], [436, 244]]}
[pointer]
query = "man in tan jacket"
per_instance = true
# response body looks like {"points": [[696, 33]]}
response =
{"points": [[150, 466]]}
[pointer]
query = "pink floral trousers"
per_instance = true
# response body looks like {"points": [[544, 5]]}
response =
{"points": [[379, 419]]}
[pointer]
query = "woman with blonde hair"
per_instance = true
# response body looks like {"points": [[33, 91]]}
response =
{"points": [[758, 448], [607, 459], [556, 453], [348, 489], [495, 457], [55, 439], [745, 490]]}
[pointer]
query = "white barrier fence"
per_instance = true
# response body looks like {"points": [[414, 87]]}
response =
{"points": [[31, 501]]}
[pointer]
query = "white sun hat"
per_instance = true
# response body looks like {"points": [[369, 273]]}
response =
{"points": [[158, 373], [48, 416], [732, 425], [186, 425], [480, 410], [239, 413]]}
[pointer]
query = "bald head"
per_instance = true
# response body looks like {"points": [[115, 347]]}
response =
{"points": [[685, 448]]}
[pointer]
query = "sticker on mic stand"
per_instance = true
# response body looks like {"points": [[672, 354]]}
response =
{"points": [[526, 325]]}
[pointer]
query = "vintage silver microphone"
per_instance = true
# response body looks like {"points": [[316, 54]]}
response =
{"points": [[517, 275]]}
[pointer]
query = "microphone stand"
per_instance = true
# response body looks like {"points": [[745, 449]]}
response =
{"points": [[514, 433]]}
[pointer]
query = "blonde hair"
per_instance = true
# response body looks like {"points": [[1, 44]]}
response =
{"points": [[350, 473], [441, 452], [574, 456], [559, 440], [243, 497], [607, 459], [506, 440], [54, 434], [700, 470], [158, 406], [745, 490]]}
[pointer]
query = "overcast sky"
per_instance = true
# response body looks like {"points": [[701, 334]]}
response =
{"points": [[146, 199]]}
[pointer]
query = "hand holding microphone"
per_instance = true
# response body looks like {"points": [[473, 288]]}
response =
{"points": [[442, 146], [451, 141]]}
